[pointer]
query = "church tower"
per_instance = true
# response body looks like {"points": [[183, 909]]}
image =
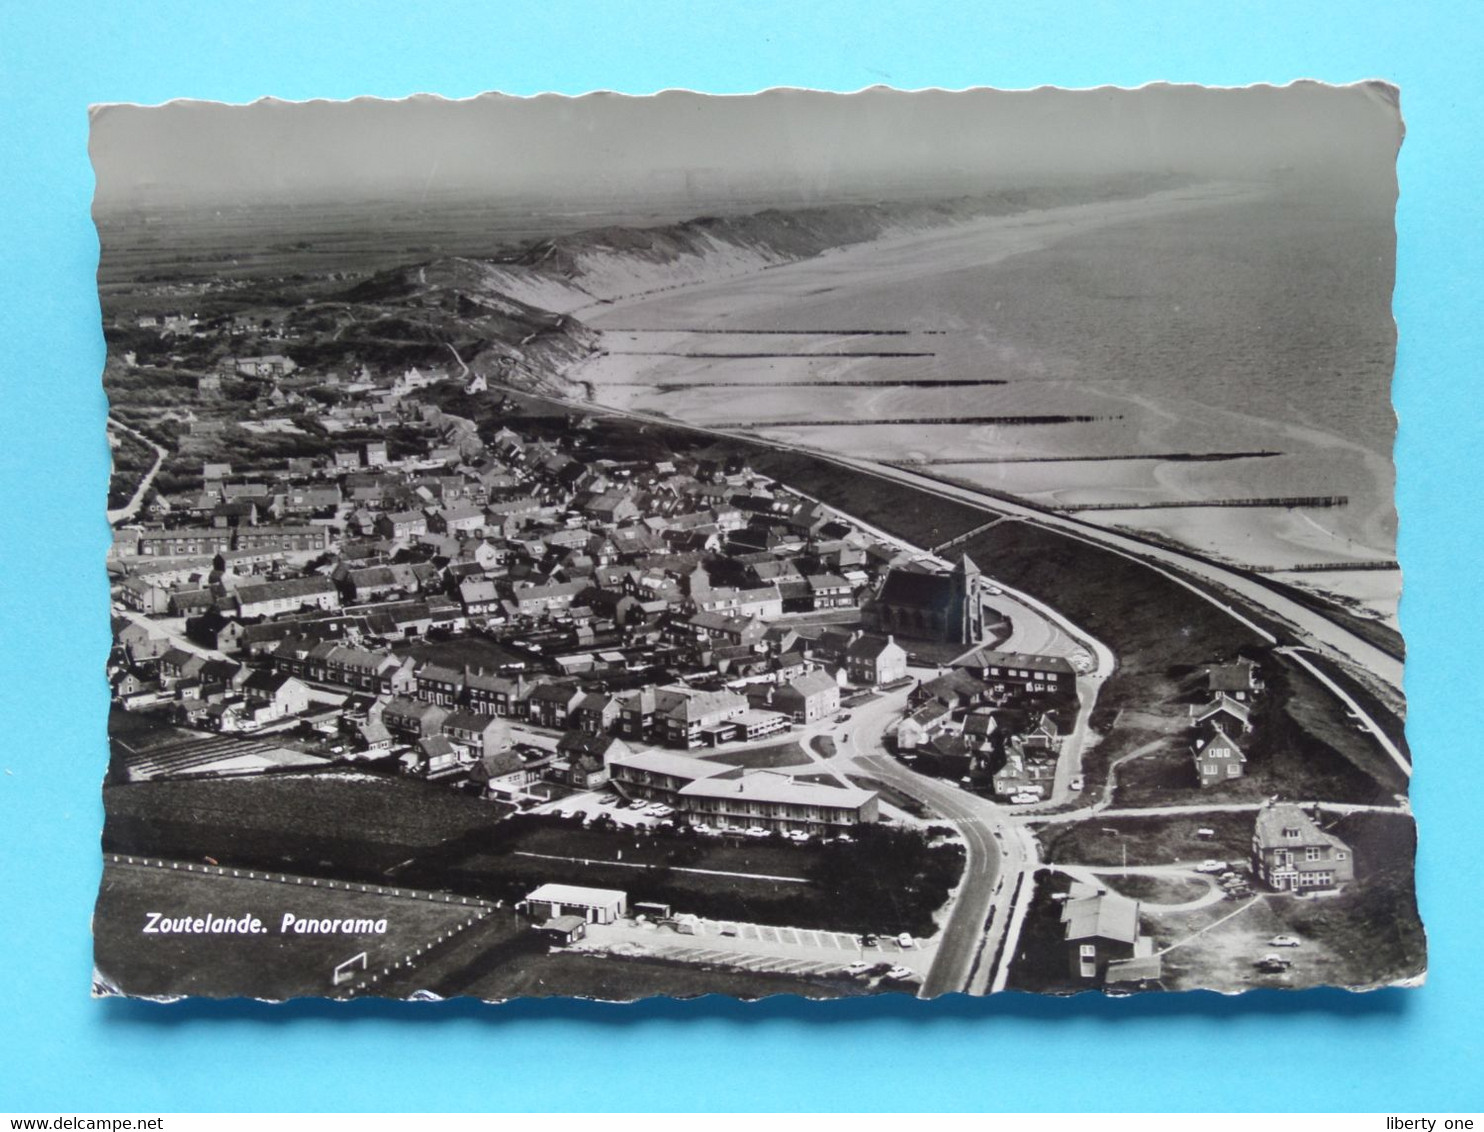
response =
{"points": [[966, 613]]}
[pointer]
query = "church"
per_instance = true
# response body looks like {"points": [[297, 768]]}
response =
{"points": [[935, 607]]}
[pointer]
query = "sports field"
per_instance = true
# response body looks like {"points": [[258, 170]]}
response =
{"points": [[274, 964]]}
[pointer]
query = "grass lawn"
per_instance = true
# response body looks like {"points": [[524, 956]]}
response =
{"points": [[904, 802], [269, 965], [1156, 840], [1158, 889], [1347, 941], [759, 758], [1300, 748], [143, 731]]}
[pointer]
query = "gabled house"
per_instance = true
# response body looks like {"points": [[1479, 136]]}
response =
{"points": [[552, 704], [1239, 680], [1104, 944], [484, 734], [414, 718], [587, 757], [440, 684], [919, 728], [273, 695], [808, 698], [1217, 757], [596, 713], [1290, 853], [873, 661], [1232, 715], [494, 694]]}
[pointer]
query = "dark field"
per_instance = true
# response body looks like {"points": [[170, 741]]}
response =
{"points": [[371, 829], [1158, 889], [354, 826], [269, 965]]}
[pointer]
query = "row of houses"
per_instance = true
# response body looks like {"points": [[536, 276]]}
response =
{"points": [[1218, 722]]}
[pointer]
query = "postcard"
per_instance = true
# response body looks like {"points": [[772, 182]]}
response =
{"points": [[798, 543]]}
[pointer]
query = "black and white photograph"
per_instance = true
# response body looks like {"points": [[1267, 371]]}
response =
{"points": [[919, 542]]}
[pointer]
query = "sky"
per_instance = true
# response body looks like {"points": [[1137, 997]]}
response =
{"points": [[788, 144]]}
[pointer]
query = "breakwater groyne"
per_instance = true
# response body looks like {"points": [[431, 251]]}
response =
{"points": [[1328, 567], [1188, 457], [866, 421], [1289, 501]]}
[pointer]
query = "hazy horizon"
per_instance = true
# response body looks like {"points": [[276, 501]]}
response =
{"points": [[616, 153]]}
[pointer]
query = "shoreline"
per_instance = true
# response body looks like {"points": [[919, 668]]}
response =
{"points": [[699, 377]]}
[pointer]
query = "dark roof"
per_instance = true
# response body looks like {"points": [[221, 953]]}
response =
{"points": [[907, 587]]}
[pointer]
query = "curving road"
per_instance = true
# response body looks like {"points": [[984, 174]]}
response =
{"points": [[999, 851], [129, 510]]}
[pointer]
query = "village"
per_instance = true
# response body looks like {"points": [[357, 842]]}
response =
{"points": [[517, 612]]}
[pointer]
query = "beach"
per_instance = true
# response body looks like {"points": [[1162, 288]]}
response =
{"points": [[1082, 343]]}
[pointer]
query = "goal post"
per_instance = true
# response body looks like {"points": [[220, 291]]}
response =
{"points": [[346, 971]]}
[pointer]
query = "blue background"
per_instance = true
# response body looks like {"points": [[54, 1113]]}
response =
{"points": [[59, 1050]]}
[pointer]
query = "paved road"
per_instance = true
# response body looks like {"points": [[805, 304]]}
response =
{"points": [[129, 510], [1209, 808], [996, 848]]}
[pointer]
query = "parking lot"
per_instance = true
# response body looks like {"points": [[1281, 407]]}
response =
{"points": [[761, 947]]}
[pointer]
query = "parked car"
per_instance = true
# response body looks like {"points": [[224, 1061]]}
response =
{"points": [[1211, 866], [905, 941], [1076, 783], [869, 940], [756, 831], [899, 972], [1272, 964], [1285, 941], [857, 968], [1024, 799]]}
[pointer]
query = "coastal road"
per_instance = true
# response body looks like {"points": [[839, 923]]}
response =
{"points": [[1296, 653], [1313, 628]]}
